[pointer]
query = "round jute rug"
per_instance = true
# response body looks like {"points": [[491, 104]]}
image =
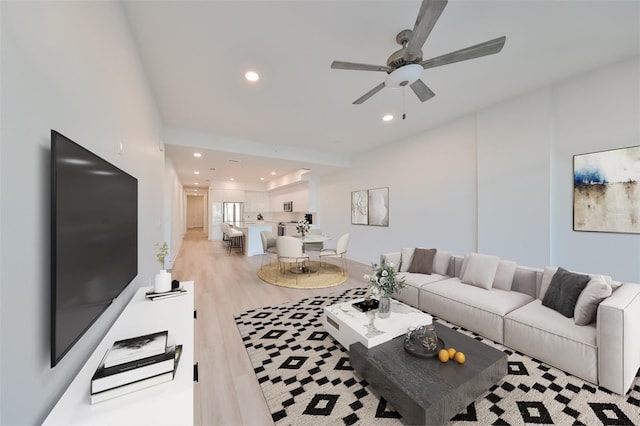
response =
{"points": [[329, 276]]}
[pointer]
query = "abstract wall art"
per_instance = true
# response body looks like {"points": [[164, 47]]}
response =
{"points": [[606, 191], [360, 207], [370, 207]]}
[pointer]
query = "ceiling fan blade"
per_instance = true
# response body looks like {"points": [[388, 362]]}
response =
{"points": [[421, 90], [340, 65], [369, 94], [483, 49], [428, 15]]}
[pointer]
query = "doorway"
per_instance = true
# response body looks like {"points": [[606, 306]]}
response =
{"points": [[195, 211]]}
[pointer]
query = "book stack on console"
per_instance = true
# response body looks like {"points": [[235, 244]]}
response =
{"points": [[179, 291], [134, 364]]}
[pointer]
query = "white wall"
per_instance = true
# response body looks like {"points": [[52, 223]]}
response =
{"points": [[174, 211], [514, 179], [70, 66], [595, 112], [500, 181], [432, 194]]}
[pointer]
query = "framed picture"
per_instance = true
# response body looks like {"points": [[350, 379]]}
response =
{"points": [[606, 191], [379, 207], [360, 207]]}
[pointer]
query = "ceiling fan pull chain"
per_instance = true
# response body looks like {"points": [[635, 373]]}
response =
{"points": [[404, 115]]}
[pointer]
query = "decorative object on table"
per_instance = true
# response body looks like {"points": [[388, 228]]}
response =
{"points": [[370, 207], [178, 291], [259, 217], [136, 348], [384, 282], [162, 281], [148, 379], [606, 191], [423, 341], [302, 227], [368, 304]]}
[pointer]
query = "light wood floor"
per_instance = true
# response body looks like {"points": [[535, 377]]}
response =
{"points": [[228, 392]]}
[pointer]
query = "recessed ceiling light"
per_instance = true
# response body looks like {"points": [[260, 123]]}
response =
{"points": [[195, 183], [251, 76], [261, 178], [387, 117], [196, 173], [196, 190], [273, 173], [232, 179], [197, 154]]}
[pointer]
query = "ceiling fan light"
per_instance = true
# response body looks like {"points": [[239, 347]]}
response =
{"points": [[407, 73]]}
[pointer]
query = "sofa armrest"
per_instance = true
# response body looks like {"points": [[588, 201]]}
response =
{"points": [[392, 258], [618, 338]]}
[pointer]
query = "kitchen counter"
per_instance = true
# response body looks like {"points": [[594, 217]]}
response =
{"points": [[251, 231]]}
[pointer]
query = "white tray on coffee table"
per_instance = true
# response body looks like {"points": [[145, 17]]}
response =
{"points": [[349, 325]]}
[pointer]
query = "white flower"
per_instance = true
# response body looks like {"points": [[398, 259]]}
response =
{"points": [[385, 273]]}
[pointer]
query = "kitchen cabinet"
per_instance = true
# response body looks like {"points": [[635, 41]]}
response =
{"points": [[256, 201]]}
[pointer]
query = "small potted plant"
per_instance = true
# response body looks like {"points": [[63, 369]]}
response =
{"points": [[162, 282], [302, 227]]}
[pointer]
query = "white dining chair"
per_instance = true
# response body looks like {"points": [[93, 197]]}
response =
{"points": [[268, 245], [339, 252], [290, 251]]}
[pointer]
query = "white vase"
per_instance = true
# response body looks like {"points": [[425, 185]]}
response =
{"points": [[162, 282]]}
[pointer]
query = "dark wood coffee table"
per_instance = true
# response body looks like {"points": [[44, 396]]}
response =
{"points": [[427, 391]]}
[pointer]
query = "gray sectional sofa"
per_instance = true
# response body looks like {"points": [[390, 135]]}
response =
{"points": [[504, 304]]}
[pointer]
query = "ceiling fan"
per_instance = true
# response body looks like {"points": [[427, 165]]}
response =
{"points": [[405, 66]]}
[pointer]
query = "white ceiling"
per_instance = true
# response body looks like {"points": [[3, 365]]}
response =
{"points": [[195, 54]]}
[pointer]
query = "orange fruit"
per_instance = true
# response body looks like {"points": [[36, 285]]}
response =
{"points": [[452, 353], [443, 355], [460, 358]]}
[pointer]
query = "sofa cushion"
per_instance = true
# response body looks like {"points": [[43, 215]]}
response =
{"points": [[406, 257], [480, 270], [441, 262], [418, 280], [422, 262], [547, 335], [471, 307], [504, 275], [586, 308], [564, 290]]}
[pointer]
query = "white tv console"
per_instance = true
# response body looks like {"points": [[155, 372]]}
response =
{"points": [[169, 403]]}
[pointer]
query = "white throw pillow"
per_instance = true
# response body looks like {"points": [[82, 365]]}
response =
{"points": [[441, 262], [405, 259], [596, 291], [504, 275], [481, 270]]}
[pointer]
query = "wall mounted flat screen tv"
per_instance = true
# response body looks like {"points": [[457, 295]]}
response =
{"points": [[94, 239]]}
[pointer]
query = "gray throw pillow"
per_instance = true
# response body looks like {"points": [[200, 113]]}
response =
{"points": [[564, 290], [422, 262]]}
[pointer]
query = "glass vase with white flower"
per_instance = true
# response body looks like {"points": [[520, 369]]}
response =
{"points": [[384, 282]]}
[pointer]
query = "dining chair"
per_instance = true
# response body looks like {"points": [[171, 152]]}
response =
{"points": [[339, 252], [268, 245], [290, 251]]}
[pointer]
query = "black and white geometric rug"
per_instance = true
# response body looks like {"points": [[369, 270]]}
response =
{"points": [[306, 379]]}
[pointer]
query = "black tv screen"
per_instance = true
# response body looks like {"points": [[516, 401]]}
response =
{"points": [[94, 239]]}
